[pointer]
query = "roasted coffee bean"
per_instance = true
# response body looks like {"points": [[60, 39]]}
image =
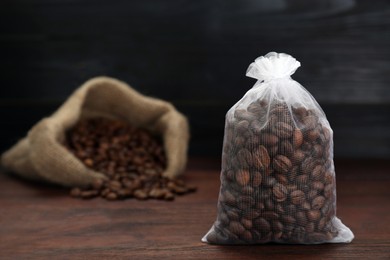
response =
{"points": [[310, 122], [111, 196], [317, 151], [132, 159], [318, 172], [243, 177], [283, 130], [140, 194], [317, 185], [255, 126], [233, 215], [321, 224], [256, 179], [301, 218], [282, 164], [312, 135], [298, 156], [97, 184], [262, 225], [263, 155], [312, 194], [313, 215], [302, 179], [297, 138], [281, 178], [329, 190], [297, 197], [286, 148], [256, 108], [305, 205], [280, 192], [75, 192], [228, 197], [239, 141], [236, 227], [310, 227], [87, 194], [242, 114], [244, 158], [318, 202], [287, 219], [300, 112], [247, 223], [269, 139]]}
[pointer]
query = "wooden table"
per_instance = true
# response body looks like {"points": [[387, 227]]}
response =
{"points": [[42, 221]]}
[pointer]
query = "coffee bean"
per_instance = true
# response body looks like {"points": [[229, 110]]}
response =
{"points": [[140, 194], [280, 192], [313, 215], [298, 156], [247, 223], [269, 139], [233, 215], [97, 184], [318, 202], [317, 185], [287, 219], [312, 135], [297, 138], [277, 226], [87, 194], [256, 108], [112, 196], [236, 227], [247, 236], [297, 197], [75, 192], [243, 177], [310, 122], [309, 227], [283, 130], [256, 126], [132, 159], [301, 218], [286, 148], [282, 164], [318, 172], [263, 155], [281, 178], [256, 179], [262, 225], [228, 197], [244, 158]]}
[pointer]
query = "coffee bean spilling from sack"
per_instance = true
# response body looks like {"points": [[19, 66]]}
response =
{"points": [[131, 158], [278, 180]]}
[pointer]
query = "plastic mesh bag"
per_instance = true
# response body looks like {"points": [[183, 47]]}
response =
{"points": [[277, 179]]}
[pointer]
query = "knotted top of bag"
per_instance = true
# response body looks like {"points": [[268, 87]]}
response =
{"points": [[273, 66]]}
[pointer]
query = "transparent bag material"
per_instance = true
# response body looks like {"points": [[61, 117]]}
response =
{"points": [[277, 178]]}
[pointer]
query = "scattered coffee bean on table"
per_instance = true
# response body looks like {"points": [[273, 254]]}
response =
{"points": [[132, 159]]}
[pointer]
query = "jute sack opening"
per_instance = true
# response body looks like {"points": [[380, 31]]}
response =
{"points": [[42, 156]]}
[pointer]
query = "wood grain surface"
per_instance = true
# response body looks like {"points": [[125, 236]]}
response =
{"points": [[41, 221]]}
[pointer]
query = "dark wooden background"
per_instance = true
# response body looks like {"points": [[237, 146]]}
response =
{"points": [[195, 54]]}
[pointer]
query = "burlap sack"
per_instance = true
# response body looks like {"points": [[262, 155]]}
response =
{"points": [[42, 156]]}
